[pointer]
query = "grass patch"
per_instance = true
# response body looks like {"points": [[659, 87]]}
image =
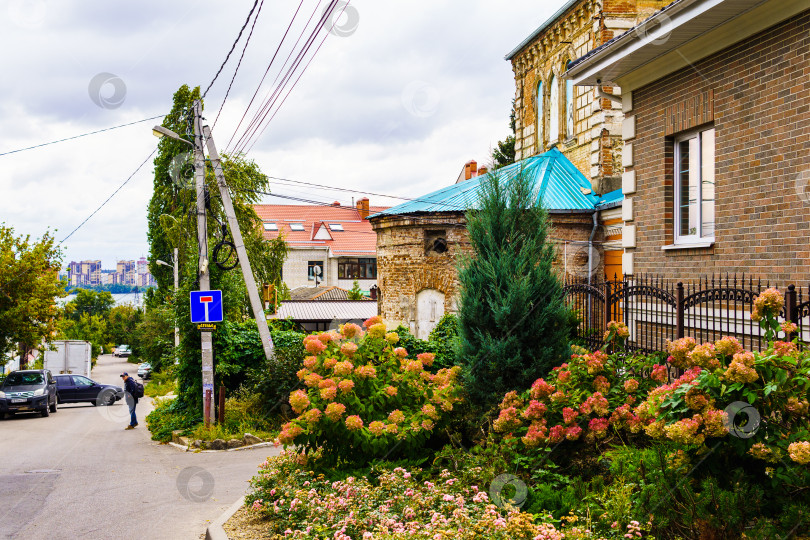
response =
{"points": [[160, 384]]}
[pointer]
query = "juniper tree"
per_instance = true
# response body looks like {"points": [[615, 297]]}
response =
{"points": [[512, 319]]}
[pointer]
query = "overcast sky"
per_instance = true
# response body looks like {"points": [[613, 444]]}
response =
{"points": [[398, 98]]}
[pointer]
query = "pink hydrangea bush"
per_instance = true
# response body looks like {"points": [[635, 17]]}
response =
{"points": [[588, 398], [364, 398]]}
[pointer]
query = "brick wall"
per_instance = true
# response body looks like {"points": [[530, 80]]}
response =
{"points": [[595, 145], [761, 90]]}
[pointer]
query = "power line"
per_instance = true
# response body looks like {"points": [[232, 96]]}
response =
{"points": [[110, 197], [426, 220], [247, 41], [271, 92], [238, 37], [259, 118], [266, 71], [82, 135]]}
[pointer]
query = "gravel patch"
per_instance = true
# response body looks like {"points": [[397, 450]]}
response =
{"points": [[244, 525]]}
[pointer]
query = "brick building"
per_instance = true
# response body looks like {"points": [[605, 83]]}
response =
{"points": [[716, 157], [583, 123], [419, 242], [332, 245]]}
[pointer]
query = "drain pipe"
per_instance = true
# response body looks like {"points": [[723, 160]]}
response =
{"points": [[602, 94], [590, 244]]}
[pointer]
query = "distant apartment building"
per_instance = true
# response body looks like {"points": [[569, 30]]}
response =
{"points": [[127, 272]]}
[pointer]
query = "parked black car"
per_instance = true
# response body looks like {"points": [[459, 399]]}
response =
{"points": [[31, 390], [77, 388]]}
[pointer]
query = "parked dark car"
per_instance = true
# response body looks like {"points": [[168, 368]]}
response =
{"points": [[30, 390], [78, 388]]}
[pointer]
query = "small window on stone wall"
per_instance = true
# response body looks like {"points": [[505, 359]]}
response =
{"points": [[435, 243]]}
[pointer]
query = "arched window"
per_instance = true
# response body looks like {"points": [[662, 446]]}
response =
{"points": [[540, 116], [569, 105], [554, 110]]}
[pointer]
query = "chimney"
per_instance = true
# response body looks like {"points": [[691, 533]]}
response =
{"points": [[363, 207], [470, 169], [482, 171]]}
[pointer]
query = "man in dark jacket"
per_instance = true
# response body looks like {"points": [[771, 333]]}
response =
{"points": [[130, 393]]}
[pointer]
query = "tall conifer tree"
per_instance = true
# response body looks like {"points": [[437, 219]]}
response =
{"points": [[512, 318]]}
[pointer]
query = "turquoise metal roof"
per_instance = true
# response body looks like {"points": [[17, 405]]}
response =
{"points": [[611, 198], [559, 186]]}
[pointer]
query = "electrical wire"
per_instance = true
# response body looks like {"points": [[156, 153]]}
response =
{"points": [[247, 41], [82, 135], [238, 37], [259, 125], [266, 71], [152, 153], [426, 220], [273, 84]]}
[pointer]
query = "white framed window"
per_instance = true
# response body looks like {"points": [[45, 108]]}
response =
{"points": [[296, 226], [270, 227], [694, 187], [569, 106], [540, 117], [554, 110], [336, 226]]}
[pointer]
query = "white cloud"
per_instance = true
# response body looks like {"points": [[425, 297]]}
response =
{"points": [[396, 107]]}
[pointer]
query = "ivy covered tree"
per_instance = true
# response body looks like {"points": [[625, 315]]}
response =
{"points": [[29, 287], [172, 223], [512, 320]]}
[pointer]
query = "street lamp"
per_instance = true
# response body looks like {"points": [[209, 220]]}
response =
{"points": [[176, 286], [160, 131]]}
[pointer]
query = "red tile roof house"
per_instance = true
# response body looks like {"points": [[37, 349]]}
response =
{"points": [[336, 240], [716, 102]]}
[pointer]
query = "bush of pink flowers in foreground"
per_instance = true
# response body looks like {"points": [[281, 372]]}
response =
{"points": [[757, 403], [298, 503], [365, 398]]}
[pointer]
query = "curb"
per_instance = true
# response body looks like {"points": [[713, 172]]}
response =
{"points": [[196, 450], [215, 530]]}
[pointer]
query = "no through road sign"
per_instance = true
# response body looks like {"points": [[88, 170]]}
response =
{"points": [[206, 306]]}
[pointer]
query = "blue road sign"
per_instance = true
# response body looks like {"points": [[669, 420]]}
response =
{"points": [[206, 306]]}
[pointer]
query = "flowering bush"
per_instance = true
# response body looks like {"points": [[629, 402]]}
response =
{"points": [[299, 503], [589, 397], [365, 398]]}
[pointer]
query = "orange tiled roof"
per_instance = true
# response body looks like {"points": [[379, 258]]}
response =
{"points": [[356, 239]]}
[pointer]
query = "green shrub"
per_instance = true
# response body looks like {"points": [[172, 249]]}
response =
{"points": [[512, 315], [168, 416], [366, 399], [444, 340], [277, 378]]}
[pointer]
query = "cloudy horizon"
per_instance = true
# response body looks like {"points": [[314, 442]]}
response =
{"points": [[393, 104]]}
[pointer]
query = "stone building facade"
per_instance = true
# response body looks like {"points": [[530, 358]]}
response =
{"points": [[550, 111], [419, 283], [418, 250], [739, 90]]}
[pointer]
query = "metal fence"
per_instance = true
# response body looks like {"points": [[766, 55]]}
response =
{"points": [[656, 310]]}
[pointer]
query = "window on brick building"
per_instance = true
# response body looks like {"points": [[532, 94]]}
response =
{"points": [[553, 110], [357, 269], [569, 106], [694, 187], [540, 116]]}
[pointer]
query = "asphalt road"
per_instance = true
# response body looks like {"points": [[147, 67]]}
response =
{"points": [[79, 474]]}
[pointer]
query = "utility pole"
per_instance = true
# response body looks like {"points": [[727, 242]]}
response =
{"points": [[206, 341], [236, 233], [176, 288]]}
